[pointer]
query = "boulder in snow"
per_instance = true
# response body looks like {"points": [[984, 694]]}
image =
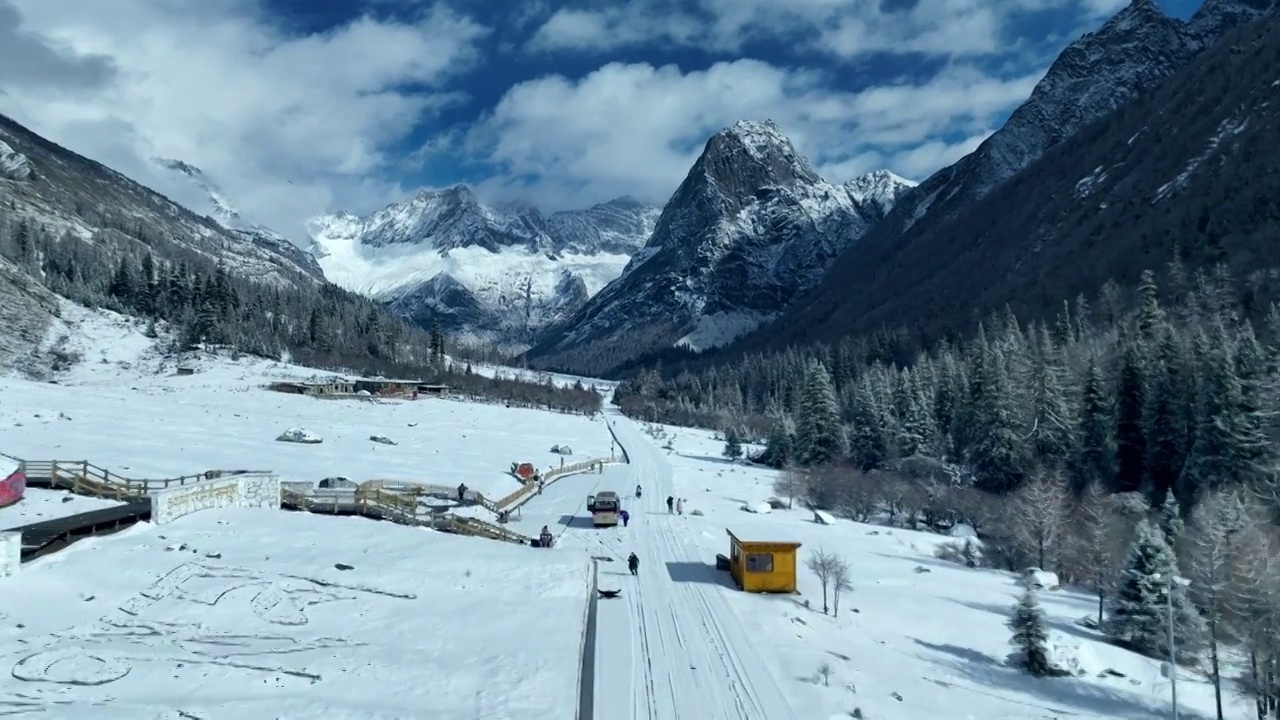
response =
{"points": [[562, 449], [961, 530], [382, 439], [822, 517], [1037, 579], [298, 435], [760, 508]]}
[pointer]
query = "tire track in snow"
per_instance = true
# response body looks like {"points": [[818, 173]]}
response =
{"points": [[709, 627], [726, 689]]}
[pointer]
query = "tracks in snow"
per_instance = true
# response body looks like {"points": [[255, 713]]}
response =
{"points": [[687, 658]]}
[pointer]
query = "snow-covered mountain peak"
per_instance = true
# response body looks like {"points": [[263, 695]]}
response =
{"points": [[1217, 16], [755, 150], [215, 205], [500, 273], [1137, 12], [882, 187], [751, 227], [219, 208]]}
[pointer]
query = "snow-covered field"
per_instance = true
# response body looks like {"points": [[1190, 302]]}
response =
{"points": [[937, 639], [125, 410], [40, 504], [246, 612], [243, 613]]}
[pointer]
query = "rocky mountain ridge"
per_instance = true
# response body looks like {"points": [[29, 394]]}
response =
{"points": [[493, 274], [751, 227], [966, 222]]}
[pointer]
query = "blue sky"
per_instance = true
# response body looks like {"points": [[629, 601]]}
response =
{"points": [[297, 107]]}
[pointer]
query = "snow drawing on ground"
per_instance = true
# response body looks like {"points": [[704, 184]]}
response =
{"points": [[107, 651]]}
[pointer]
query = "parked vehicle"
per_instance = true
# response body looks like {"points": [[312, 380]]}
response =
{"points": [[604, 508]]}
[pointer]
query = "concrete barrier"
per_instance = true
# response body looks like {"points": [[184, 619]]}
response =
{"points": [[246, 490], [10, 553]]}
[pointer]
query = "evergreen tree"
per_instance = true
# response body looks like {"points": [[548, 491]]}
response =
{"points": [[1166, 419], [1228, 442], [1031, 634], [1130, 432], [1150, 316], [868, 444], [996, 454], [1052, 431], [1140, 615], [1171, 523], [819, 435], [1094, 455], [779, 450], [732, 443]]}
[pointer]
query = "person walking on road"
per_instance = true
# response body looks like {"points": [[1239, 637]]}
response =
{"points": [[670, 504], [633, 563], [680, 506], [625, 516]]}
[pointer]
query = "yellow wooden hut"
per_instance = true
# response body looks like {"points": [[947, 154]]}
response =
{"points": [[763, 567]]}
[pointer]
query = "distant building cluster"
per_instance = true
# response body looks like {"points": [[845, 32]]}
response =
{"points": [[372, 387]]}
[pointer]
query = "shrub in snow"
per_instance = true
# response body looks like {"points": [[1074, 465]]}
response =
{"points": [[1030, 634], [1140, 612], [961, 530], [822, 517], [298, 435], [760, 508], [962, 553]]}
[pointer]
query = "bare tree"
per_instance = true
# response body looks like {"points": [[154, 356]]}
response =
{"points": [[860, 494], [791, 484], [1039, 514], [1253, 611], [1217, 522], [1096, 545], [825, 565], [841, 580]]}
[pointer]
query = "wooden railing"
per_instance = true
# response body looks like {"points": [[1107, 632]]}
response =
{"points": [[400, 508], [528, 489], [84, 478], [417, 489]]}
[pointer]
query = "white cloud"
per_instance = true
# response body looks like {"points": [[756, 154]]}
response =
{"points": [[288, 122], [841, 28], [637, 128]]}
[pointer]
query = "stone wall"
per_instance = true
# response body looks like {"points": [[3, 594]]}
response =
{"points": [[257, 490], [260, 490], [10, 553]]}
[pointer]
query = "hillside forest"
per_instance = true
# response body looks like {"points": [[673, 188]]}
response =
{"points": [[1133, 438]]}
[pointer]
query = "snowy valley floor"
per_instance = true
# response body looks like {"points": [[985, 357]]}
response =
{"points": [[243, 613], [937, 639], [124, 409]]}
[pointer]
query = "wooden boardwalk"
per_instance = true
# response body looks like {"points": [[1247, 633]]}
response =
{"points": [[47, 536]]}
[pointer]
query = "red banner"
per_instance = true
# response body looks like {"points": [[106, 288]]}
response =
{"points": [[12, 488]]}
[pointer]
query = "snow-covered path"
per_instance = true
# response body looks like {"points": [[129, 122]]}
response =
{"points": [[671, 647]]}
